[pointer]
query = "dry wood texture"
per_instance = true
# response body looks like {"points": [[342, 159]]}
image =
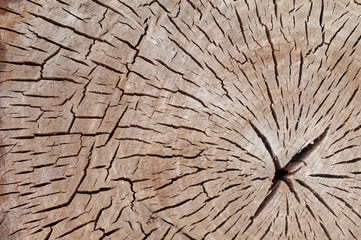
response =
{"points": [[181, 119]]}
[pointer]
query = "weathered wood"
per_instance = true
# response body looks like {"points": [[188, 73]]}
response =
{"points": [[183, 119]]}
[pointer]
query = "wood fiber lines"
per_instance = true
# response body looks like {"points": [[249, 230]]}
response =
{"points": [[180, 119]]}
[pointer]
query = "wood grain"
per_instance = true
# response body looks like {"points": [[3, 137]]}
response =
{"points": [[180, 119]]}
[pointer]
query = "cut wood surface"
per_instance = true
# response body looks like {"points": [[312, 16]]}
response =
{"points": [[206, 119]]}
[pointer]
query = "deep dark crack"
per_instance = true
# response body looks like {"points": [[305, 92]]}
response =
{"points": [[279, 175], [282, 173]]}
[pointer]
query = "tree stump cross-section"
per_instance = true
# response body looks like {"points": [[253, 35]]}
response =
{"points": [[155, 119]]}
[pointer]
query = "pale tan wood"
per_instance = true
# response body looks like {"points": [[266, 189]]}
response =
{"points": [[180, 119]]}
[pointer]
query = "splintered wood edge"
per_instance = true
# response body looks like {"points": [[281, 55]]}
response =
{"points": [[180, 119]]}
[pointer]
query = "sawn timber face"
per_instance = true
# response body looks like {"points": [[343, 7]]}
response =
{"points": [[180, 120]]}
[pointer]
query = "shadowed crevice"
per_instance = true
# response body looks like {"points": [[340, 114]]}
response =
{"points": [[282, 173]]}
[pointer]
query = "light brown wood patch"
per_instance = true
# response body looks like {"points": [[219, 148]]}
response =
{"points": [[155, 119]]}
